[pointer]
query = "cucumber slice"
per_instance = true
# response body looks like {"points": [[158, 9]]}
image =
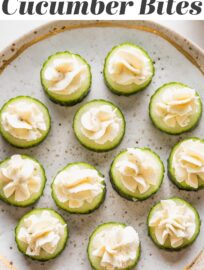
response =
{"points": [[135, 58], [191, 212], [16, 141], [44, 256], [35, 196], [95, 261], [80, 82], [117, 178], [186, 153], [181, 119], [87, 207], [91, 143]]}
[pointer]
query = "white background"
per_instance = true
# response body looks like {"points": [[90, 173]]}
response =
{"points": [[10, 30]]}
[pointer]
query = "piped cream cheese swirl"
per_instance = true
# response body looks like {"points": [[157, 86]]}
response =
{"points": [[116, 247], [101, 124], [78, 185], [137, 170], [41, 232], [173, 222], [20, 177], [188, 163], [128, 65], [24, 120], [177, 106], [65, 75]]}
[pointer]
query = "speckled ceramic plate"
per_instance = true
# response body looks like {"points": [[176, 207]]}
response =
{"points": [[176, 59]]}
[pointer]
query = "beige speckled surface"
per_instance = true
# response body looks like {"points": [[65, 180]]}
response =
{"points": [[22, 77]]}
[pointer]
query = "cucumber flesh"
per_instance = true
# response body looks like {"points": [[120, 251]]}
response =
{"points": [[117, 184], [171, 169], [95, 261], [91, 144], [21, 143], [87, 207], [44, 256], [167, 245], [158, 121], [11, 200], [72, 98], [131, 88]]}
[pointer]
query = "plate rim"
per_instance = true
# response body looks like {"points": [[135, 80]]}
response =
{"points": [[188, 48]]}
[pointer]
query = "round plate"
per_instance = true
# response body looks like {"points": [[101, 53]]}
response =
{"points": [[21, 64]]}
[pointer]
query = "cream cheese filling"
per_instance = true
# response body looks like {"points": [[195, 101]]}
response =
{"points": [[24, 120], [78, 185], [177, 106], [173, 222], [188, 163], [65, 75], [116, 247], [101, 124], [21, 178], [128, 65], [137, 170], [41, 232]]}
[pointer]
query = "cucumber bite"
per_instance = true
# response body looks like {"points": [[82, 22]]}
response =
{"points": [[114, 246], [66, 78], [173, 224], [128, 69], [24, 121], [186, 164], [41, 234], [137, 173], [99, 125], [79, 188], [22, 180], [175, 108]]}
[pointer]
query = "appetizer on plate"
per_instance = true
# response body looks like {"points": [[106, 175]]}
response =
{"points": [[173, 224], [175, 108], [41, 234], [22, 180], [114, 246], [186, 164], [137, 173], [128, 69], [79, 188], [24, 121], [99, 125], [66, 78]]}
